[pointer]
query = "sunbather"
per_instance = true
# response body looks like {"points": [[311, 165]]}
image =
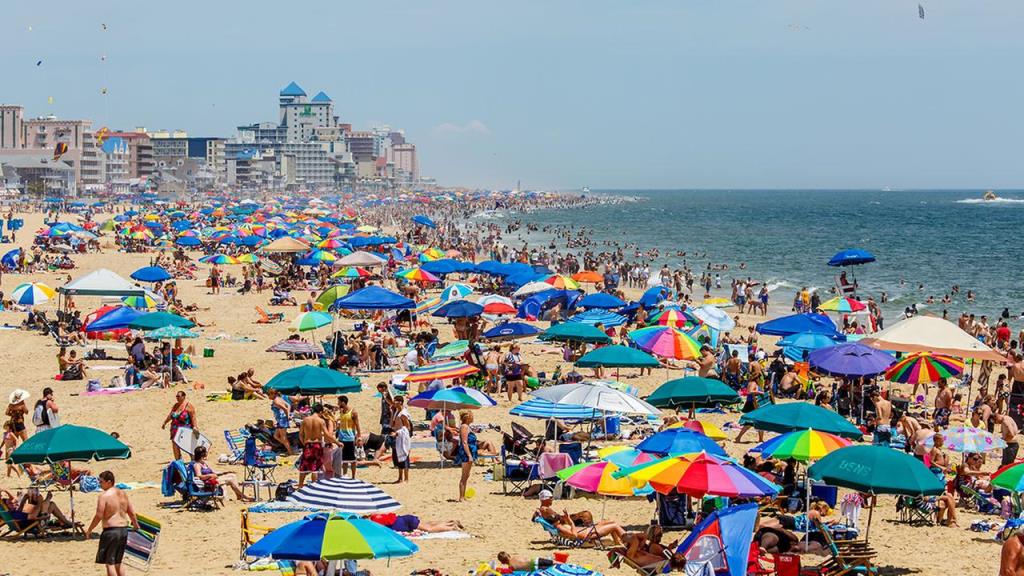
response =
{"points": [[34, 506], [211, 478], [412, 523], [517, 564], [565, 526]]}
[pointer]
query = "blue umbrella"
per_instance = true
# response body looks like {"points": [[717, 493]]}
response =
{"points": [[459, 309], [543, 409], [600, 300], [796, 323], [151, 274], [794, 345], [424, 220], [10, 259], [188, 241], [373, 298], [598, 316], [851, 256], [510, 330], [680, 441], [654, 296], [114, 320], [850, 359]]}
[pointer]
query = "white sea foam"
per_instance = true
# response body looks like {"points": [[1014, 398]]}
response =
{"points": [[994, 201]]}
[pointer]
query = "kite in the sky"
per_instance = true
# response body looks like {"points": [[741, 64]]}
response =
{"points": [[920, 12], [59, 150], [101, 135], [49, 100], [104, 26], [39, 63], [103, 91]]}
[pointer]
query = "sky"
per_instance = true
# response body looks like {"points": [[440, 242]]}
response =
{"points": [[566, 94]]}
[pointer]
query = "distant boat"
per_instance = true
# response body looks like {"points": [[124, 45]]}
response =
{"points": [[989, 196], [586, 190]]}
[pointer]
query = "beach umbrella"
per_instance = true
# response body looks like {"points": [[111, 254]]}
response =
{"points": [[458, 309], [498, 308], [455, 292], [332, 536], [1010, 477], [374, 298], [144, 301], [114, 319], [154, 320], [800, 416], [188, 241], [673, 317], [704, 334], [151, 274], [352, 272], [693, 392], [801, 445], [441, 371], [931, 334], [310, 321], [69, 442], [294, 346], [796, 323], [455, 349], [344, 495], [850, 359], [601, 300], [312, 381], [455, 398], [851, 257], [617, 356], [424, 221], [968, 439], [924, 368], [328, 296], [667, 342], [532, 288], [795, 345], [417, 275], [32, 293], [699, 475], [575, 332], [876, 470], [706, 428], [596, 397], [623, 456], [589, 277], [600, 316], [714, 317], [842, 305], [543, 409], [218, 259], [561, 282], [511, 331], [170, 333], [248, 258], [360, 258], [596, 478], [679, 441]]}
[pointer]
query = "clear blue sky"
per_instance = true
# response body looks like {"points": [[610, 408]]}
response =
{"points": [[673, 93]]}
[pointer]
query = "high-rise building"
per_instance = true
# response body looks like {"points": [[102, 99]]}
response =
{"points": [[406, 164], [10, 126]]}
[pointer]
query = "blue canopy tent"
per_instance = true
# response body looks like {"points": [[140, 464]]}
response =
{"points": [[722, 542], [600, 300], [151, 274], [796, 323], [373, 298], [851, 257]]}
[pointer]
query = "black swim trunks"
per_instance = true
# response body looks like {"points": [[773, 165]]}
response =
{"points": [[112, 544]]}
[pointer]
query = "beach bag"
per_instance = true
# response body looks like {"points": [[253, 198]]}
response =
{"points": [[93, 385], [89, 484], [37, 414]]}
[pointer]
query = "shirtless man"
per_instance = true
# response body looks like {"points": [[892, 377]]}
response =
{"points": [[943, 404], [883, 410], [788, 384], [939, 457], [1011, 560], [114, 510], [707, 362], [313, 433], [732, 370], [1008, 432]]}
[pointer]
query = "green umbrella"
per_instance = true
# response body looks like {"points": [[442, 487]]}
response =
{"points": [[69, 442], [313, 381], [693, 391], [331, 294], [169, 332], [876, 470], [800, 416], [618, 356], [575, 332], [155, 320]]}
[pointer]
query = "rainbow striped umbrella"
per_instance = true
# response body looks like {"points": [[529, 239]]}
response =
{"points": [[673, 317], [455, 398], [441, 371], [623, 456], [218, 259], [352, 272], [248, 258], [699, 475], [561, 282], [924, 368], [32, 293], [330, 244], [320, 256], [332, 536], [667, 342], [706, 428], [310, 321], [842, 305], [1010, 477], [596, 478], [417, 275], [144, 301], [801, 445]]}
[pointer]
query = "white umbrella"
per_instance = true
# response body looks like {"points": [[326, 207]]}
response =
{"points": [[930, 334], [492, 298], [360, 258], [344, 495], [532, 288], [715, 318], [597, 397]]}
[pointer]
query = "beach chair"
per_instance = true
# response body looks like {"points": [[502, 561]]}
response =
{"points": [[37, 479], [193, 496], [573, 449], [250, 534], [16, 526], [142, 543], [975, 500], [519, 473], [265, 318], [845, 556], [259, 471], [915, 510], [590, 540], [236, 445], [617, 557]]}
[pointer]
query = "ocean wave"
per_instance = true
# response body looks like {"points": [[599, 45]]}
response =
{"points": [[994, 201], [774, 285]]}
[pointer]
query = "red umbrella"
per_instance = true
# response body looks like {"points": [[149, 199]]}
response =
{"points": [[499, 308]]}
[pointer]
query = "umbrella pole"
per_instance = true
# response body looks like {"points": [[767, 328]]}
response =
{"points": [[807, 506], [871, 511]]}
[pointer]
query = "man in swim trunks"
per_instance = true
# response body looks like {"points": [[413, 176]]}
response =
{"points": [[313, 434], [114, 510]]}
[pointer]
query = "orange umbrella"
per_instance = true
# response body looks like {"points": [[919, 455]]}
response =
{"points": [[588, 276]]}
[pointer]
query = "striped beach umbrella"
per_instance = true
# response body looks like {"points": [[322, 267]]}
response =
{"points": [[295, 347], [416, 275], [310, 321], [344, 495], [700, 475], [706, 428], [455, 398], [801, 445], [218, 259], [924, 368], [455, 292], [561, 282], [597, 316], [842, 305], [352, 272], [332, 536], [667, 342], [673, 317], [32, 293], [1010, 477], [143, 301], [543, 409], [441, 371], [596, 478], [623, 456], [171, 332], [248, 258]]}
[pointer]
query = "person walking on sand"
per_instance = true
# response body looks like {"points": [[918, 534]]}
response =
{"points": [[115, 513], [182, 415]]}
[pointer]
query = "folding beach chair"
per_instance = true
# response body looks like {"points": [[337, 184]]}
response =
{"points": [[591, 539], [915, 510], [250, 534], [617, 557], [142, 543], [259, 471], [268, 318], [519, 473]]}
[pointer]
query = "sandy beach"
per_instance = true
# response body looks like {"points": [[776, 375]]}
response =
{"points": [[208, 542]]}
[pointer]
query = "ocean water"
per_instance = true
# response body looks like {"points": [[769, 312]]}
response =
{"points": [[935, 238]]}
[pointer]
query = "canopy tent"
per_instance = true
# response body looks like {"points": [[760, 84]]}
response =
{"points": [[360, 258], [931, 334], [286, 245], [373, 298], [101, 282]]}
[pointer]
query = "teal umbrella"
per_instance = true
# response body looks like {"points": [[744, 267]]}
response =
{"points": [[169, 332], [618, 356], [876, 470], [800, 416], [575, 332], [313, 381], [693, 391], [155, 320], [69, 442]]}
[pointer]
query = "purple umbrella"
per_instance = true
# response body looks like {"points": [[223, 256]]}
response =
{"points": [[850, 359]]}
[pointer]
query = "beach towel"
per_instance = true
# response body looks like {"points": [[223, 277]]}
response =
{"points": [[111, 391], [449, 535]]}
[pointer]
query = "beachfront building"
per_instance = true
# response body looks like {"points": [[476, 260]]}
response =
{"points": [[37, 174], [11, 126]]}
